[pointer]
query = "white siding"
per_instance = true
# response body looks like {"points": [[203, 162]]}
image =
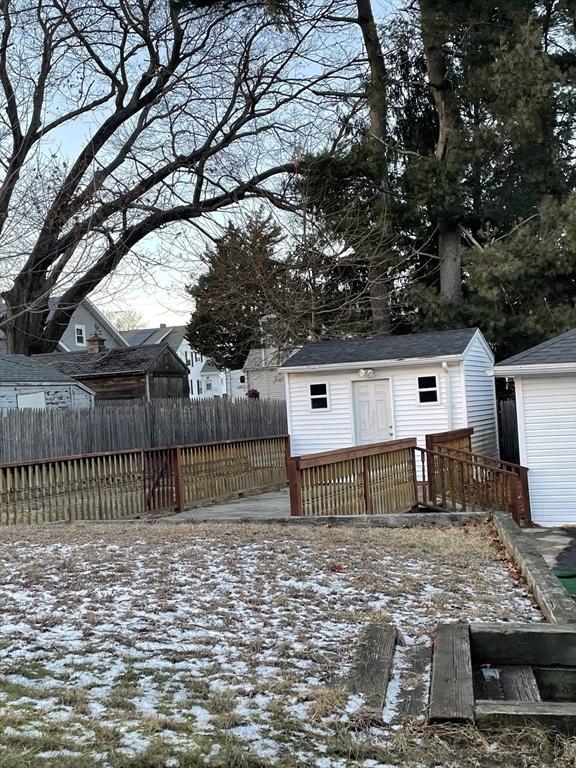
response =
{"points": [[268, 382], [547, 432], [481, 398], [56, 395], [320, 430]]}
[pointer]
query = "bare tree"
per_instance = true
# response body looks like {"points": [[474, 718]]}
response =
{"points": [[120, 119], [126, 319]]}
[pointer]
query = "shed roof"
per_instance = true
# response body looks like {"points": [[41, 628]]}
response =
{"points": [[407, 346], [19, 369], [560, 349], [108, 362]]}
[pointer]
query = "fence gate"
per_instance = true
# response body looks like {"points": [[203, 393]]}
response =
{"points": [[162, 487]]}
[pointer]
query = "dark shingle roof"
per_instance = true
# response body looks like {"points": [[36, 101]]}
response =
{"points": [[172, 334], [434, 344], [138, 336], [111, 361], [19, 369], [560, 349]]}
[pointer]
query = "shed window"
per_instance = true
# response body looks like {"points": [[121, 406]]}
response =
{"points": [[427, 389], [318, 396], [80, 336]]}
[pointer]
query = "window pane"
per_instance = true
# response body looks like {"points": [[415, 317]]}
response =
{"points": [[319, 402], [318, 389], [426, 382], [431, 396]]}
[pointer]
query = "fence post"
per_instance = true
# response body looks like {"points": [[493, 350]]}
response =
{"points": [[525, 496], [367, 489], [416, 505], [287, 450], [295, 484], [178, 489]]}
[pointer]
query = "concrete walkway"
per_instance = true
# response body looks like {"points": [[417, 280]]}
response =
{"points": [[557, 546], [266, 505]]}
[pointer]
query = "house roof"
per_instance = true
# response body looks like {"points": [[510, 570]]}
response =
{"points": [[560, 349], [172, 334], [266, 357], [408, 346], [209, 367], [109, 362], [19, 369]]}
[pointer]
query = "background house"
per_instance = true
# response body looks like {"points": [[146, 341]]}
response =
{"points": [[143, 373], [85, 321], [360, 391], [545, 389], [175, 335], [262, 372], [28, 383]]}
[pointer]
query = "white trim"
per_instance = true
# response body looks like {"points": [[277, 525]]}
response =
{"points": [[395, 363], [523, 370], [312, 397], [83, 328], [520, 423], [288, 408]]}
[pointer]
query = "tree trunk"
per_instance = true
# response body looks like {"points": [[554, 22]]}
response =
{"points": [[446, 110], [450, 261], [380, 283]]}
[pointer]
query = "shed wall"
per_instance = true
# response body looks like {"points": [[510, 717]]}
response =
{"points": [[481, 398], [546, 407], [57, 395], [324, 430]]}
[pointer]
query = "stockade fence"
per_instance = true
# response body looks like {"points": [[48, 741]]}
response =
{"points": [[114, 426], [399, 476], [120, 484]]}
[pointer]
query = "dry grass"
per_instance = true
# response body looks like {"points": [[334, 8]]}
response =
{"points": [[151, 646]]}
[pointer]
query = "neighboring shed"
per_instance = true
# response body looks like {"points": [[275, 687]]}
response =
{"points": [[545, 386], [359, 391], [28, 383], [261, 371], [142, 373]]}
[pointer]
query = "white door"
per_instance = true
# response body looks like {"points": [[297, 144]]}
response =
{"points": [[372, 410]]}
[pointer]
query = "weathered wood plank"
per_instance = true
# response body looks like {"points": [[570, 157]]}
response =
{"points": [[519, 683], [451, 690], [555, 603], [557, 683], [512, 713], [532, 644], [487, 683], [414, 694], [372, 666]]}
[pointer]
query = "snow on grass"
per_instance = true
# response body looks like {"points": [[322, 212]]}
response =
{"points": [[229, 643]]}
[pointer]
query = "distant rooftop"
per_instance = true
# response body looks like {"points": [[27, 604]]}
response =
{"points": [[108, 362], [18, 369]]}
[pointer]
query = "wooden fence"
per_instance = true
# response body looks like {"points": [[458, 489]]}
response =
{"points": [[29, 435], [368, 479], [508, 431], [120, 484], [398, 476], [460, 439]]}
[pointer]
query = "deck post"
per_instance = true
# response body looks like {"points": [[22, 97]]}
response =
{"points": [[416, 505], [295, 481], [367, 489]]}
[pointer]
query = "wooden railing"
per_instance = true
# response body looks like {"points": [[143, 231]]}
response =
{"points": [[103, 486], [461, 480], [460, 439], [368, 479]]}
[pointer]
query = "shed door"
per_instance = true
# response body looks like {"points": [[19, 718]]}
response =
{"points": [[373, 412]]}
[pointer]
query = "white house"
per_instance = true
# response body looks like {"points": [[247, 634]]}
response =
{"points": [[545, 385], [358, 391], [29, 383], [262, 372]]}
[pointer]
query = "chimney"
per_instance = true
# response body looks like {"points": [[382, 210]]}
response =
{"points": [[95, 343], [162, 325]]}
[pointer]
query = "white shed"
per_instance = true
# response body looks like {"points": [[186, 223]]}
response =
{"points": [[358, 391], [545, 384], [28, 383]]}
